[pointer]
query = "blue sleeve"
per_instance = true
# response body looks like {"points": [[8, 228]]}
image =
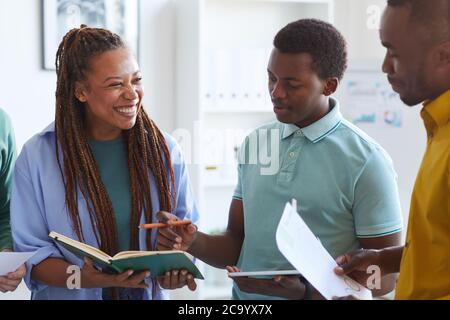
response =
{"points": [[185, 201], [377, 210], [28, 223]]}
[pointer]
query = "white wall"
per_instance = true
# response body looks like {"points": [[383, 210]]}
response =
{"points": [[27, 91], [351, 19], [157, 60], [406, 145]]}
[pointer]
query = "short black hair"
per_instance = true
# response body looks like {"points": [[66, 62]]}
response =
{"points": [[321, 40], [433, 14]]}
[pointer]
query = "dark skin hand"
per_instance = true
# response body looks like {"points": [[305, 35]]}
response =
{"points": [[177, 279], [355, 264], [52, 272], [223, 251], [174, 237], [289, 287], [91, 277], [171, 280], [293, 288], [218, 251]]}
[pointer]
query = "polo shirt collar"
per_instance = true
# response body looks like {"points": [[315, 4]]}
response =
{"points": [[319, 129]]}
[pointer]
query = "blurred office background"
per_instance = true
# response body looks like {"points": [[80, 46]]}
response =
{"points": [[204, 69]]}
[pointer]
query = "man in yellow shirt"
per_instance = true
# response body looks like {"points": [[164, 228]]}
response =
{"points": [[416, 34]]}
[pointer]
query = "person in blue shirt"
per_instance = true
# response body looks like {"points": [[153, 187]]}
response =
{"points": [[343, 181], [95, 174]]}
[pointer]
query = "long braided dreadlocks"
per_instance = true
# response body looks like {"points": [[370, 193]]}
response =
{"points": [[148, 154]]}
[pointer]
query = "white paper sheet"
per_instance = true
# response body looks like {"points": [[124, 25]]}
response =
{"points": [[305, 252], [11, 261]]}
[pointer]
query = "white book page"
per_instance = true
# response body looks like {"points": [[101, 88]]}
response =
{"points": [[305, 252]]}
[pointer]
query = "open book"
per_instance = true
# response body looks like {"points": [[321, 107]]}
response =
{"points": [[158, 262]]}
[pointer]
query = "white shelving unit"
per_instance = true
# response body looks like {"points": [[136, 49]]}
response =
{"points": [[223, 47]]}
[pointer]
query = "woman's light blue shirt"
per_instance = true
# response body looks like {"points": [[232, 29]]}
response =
{"points": [[38, 207]]}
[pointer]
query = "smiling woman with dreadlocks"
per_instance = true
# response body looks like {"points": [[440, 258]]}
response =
{"points": [[101, 169]]}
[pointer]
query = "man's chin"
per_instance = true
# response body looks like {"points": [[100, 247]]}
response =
{"points": [[411, 101], [284, 119]]}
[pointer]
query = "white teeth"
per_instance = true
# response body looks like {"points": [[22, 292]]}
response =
{"points": [[127, 110]]}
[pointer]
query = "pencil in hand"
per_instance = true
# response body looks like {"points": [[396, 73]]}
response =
{"points": [[165, 225]]}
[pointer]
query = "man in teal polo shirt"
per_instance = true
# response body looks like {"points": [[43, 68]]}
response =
{"points": [[344, 182], [7, 157]]}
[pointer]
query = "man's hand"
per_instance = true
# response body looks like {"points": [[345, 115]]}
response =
{"points": [[289, 287], [355, 264], [174, 237]]}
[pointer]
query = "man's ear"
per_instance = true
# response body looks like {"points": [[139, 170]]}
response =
{"points": [[331, 85], [440, 55], [444, 54], [80, 92], [440, 60]]}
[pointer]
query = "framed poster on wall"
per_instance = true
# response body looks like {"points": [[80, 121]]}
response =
{"points": [[59, 16], [367, 99]]}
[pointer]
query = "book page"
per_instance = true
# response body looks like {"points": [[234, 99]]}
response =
{"points": [[305, 252], [71, 243], [132, 254]]}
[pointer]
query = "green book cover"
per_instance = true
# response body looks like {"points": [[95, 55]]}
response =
{"points": [[158, 262]]}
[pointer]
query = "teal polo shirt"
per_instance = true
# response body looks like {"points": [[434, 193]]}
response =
{"points": [[344, 183]]}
